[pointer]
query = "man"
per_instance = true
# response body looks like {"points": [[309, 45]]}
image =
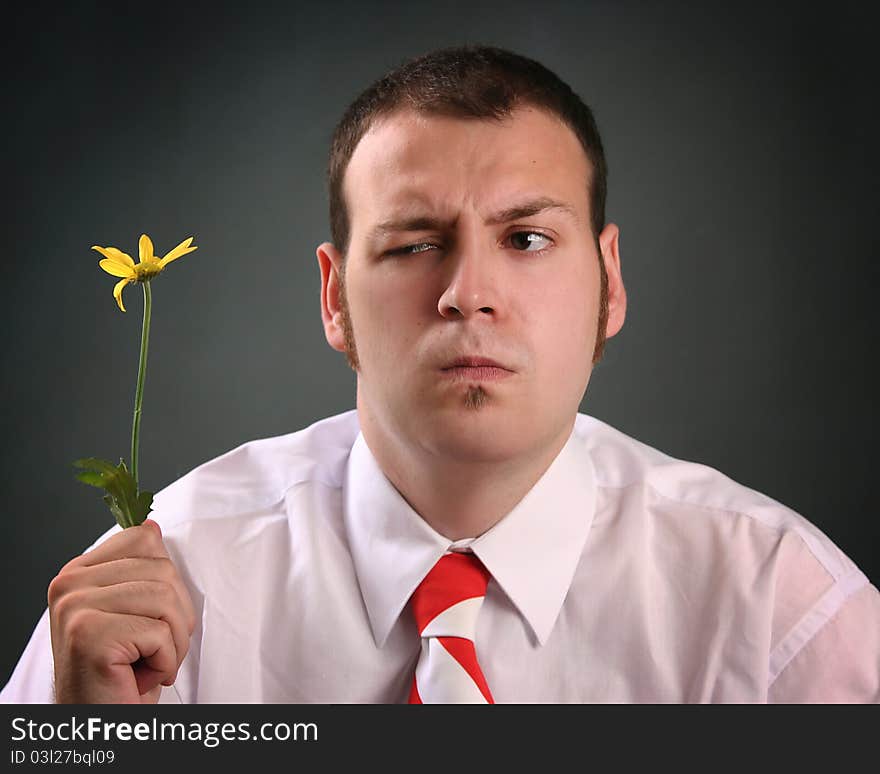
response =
{"points": [[465, 534]]}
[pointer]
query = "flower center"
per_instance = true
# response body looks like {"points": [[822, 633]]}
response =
{"points": [[147, 270]]}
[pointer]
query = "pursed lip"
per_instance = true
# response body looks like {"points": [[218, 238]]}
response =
{"points": [[474, 361]]}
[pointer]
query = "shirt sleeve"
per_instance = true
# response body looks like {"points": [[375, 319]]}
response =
{"points": [[840, 662], [32, 680]]}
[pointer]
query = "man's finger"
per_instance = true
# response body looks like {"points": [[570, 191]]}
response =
{"points": [[147, 599], [124, 570], [142, 541]]}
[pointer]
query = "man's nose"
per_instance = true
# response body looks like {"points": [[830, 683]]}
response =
{"points": [[471, 283]]}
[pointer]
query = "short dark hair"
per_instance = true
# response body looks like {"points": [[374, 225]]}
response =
{"points": [[471, 81]]}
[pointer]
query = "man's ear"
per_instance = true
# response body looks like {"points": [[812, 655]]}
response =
{"points": [[610, 247], [330, 263]]}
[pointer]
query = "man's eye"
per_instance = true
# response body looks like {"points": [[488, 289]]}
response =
{"points": [[521, 240], [525, 238], [412, 249]]}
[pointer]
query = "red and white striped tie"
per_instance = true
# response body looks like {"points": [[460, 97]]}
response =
{"points": [[446, 604]]}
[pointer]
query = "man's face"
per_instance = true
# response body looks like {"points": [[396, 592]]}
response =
{"points": [[441, 266]]}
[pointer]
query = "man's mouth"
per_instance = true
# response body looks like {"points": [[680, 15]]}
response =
{"points": [[475, 368]]}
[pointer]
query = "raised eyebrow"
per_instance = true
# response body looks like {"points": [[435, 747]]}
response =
{"points": [[430, 223], [527, 209]]}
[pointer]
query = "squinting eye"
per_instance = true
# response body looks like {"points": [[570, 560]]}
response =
{"points": [[530, 238], [520, 239], [411, 249]]}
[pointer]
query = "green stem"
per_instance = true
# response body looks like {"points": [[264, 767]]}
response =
{"points": [[142, 372]]}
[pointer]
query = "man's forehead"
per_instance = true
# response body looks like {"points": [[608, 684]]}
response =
{"points": [[403, 171], [400, 131], [406, 200]]}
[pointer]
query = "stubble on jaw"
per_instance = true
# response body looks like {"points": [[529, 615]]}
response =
{"points": [[347, 328], [475, 398]]}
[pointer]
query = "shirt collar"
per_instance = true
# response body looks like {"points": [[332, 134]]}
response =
{"points": [[532, 553]]}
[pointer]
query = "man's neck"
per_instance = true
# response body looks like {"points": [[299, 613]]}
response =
{"points": [[457, 499]]}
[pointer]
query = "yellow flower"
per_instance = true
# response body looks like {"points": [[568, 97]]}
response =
{"points": [[120, 264]]}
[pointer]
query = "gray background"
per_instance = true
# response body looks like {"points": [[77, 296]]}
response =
{"points": [[741, 144]]}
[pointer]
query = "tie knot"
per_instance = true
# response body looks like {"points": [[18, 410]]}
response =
{"points": [[447, 601]]}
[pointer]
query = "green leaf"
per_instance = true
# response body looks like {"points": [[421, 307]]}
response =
{"points": [[96, 464], [128, 506], [142, 507], [91, 478], [121, 519]]}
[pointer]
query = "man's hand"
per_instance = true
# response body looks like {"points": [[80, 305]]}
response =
{"points": [[121, 619]]}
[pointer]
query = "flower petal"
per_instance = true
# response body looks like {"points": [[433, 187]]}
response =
{"points": [[117, 291], [115, 255], [116, 269], [182, 249], [145, 248]]}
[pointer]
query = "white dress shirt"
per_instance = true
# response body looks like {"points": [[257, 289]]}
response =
{"points": [[623, 575]]}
